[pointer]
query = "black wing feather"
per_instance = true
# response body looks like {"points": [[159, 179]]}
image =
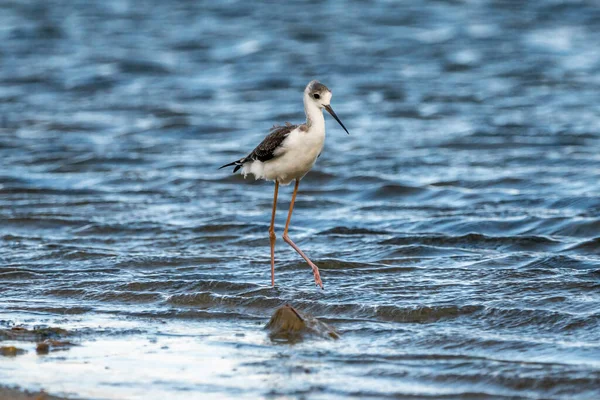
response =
{"points": [[265, 151]]}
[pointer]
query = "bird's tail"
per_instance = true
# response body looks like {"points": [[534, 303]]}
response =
{"points": [[238, 164]]}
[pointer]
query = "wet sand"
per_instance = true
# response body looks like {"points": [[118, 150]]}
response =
{"points": [[7, 393]]}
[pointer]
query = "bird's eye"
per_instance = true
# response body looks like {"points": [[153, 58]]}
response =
{"points": [[316, 96]]}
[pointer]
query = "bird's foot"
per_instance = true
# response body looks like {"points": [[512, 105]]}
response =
{"points": [[318, 280]]}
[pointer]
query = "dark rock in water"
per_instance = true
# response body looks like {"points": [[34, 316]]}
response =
{"points": [[11, 351], [35, 334], [287, 324], [52, 345], [42, 348]]}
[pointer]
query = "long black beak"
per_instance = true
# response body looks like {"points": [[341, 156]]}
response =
{"points": [[330, 110]]}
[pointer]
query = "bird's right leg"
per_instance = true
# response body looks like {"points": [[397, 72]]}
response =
{"points": [[291, 243], [272, 234]]}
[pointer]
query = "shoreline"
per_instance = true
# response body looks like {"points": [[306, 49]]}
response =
{"points": [[18, 393]]}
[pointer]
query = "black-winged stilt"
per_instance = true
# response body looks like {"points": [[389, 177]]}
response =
{"points": [[288, 153]]}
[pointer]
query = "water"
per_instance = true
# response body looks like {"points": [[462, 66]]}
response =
{"points": [[457, 228]]}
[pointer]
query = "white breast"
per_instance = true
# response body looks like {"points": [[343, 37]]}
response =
{"points": [[299, 152]]}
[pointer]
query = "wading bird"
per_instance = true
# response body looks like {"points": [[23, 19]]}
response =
{"points": [[288, 153]]}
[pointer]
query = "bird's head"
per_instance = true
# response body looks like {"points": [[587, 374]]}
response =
{"points": [[320, 95]]}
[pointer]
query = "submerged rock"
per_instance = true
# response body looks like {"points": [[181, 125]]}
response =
{"points": [[35, 334], [287, 324], [47, 338], [53, 345], [11, 351], [42, 348]]}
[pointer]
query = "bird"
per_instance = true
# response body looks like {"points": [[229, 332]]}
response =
{"points": [[287, 154]]}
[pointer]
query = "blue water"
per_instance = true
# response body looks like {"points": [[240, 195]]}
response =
{"points": [[457, 228]]}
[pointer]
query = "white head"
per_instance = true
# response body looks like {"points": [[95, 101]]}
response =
{"points": [[319, 95]]}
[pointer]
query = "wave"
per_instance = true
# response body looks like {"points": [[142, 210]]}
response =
{"points": [[342, 230], [591, 247], [471, 241]]}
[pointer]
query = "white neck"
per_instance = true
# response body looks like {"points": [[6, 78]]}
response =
{"points": [[314, 115]]}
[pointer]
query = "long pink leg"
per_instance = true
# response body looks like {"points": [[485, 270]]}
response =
{"points": [[272, 234], [289, 241]]}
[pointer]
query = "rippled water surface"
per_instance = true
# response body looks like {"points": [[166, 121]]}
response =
{"points": [[457, 228]]}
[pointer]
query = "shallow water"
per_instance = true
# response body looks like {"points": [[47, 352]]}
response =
{"points": [[457, 228]]}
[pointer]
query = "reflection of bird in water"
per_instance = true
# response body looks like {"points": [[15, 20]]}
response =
{"points": [[287, 154]]}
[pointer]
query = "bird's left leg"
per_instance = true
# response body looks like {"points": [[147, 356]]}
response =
{"points": [[272, 234], [289, 241]]}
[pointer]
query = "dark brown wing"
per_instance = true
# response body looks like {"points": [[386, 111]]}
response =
{"points": [[267, 148]]}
